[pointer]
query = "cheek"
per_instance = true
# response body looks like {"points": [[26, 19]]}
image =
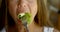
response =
{"points": [[12, 9], [33, 7], [34, 10]]}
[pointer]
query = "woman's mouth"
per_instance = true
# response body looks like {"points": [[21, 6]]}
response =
{"points": [[25, 17]]}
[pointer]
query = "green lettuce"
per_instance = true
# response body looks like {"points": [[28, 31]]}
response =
{"points": [[25, 18]]}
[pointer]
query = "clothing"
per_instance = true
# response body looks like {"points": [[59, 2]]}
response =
{"points": [[48, 29], [3, 30]]}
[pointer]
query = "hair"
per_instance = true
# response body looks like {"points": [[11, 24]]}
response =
{"points": [[10, 20], [42, 17], [2, 14]]}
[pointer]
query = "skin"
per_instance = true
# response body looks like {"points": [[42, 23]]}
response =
{"points": [[22, 6]]}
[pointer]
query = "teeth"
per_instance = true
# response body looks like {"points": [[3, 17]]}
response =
{"points": [[21, 15]]}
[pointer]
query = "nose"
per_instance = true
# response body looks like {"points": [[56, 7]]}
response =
{"points": [[22, 6]]}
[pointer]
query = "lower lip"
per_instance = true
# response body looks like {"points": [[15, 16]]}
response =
{"points": [[19, 21]]}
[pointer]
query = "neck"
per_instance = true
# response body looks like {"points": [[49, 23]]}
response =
{"points": [[33, 27]]}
